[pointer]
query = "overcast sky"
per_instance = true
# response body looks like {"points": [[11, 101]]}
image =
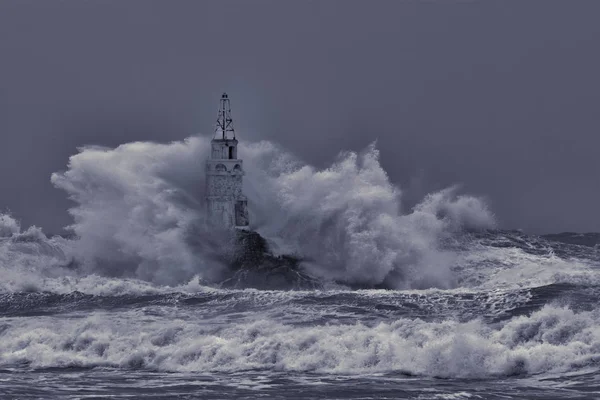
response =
{"points": [[500, 96]]}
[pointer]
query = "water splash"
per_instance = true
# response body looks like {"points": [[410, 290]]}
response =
{"points": [[551, 340], [139, 213]]}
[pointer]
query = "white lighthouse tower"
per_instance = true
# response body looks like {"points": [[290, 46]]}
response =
{"points": [[226, 206]]}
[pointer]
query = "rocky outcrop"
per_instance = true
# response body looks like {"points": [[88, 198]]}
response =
{"points": [[254, 266]]}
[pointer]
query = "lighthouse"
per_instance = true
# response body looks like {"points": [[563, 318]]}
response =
{"points": [[226, 205]]}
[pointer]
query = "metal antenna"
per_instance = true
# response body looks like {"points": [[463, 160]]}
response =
{"points": [[224, 122]]}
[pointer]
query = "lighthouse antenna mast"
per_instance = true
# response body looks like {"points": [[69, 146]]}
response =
{"points": [[224, 121]]}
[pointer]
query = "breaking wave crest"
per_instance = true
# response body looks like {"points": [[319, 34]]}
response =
{"points": [[136, 285], [553, 339], [138, 227], [139, 214], [29, 258]]}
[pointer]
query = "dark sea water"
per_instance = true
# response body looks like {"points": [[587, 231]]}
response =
{"points": [[427, 303], [522, 322]]}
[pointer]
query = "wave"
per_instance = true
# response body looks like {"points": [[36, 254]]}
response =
{"points": [[31, 262], [531, 263], [139, 214], [551, 340], [138, 226], [296, 306]]}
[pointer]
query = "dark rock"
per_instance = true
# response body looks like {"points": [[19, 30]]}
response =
{"points": [[254, 266]]}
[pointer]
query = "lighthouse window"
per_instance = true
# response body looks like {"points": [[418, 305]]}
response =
{"points": [[231, 153]]}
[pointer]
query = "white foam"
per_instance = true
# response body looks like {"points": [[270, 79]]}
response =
{"points": [[551, 340], [490, 268], [139, 219], [8, 226], [140, 208]]}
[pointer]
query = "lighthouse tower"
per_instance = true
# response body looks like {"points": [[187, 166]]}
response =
{"points": [[226, 206]]}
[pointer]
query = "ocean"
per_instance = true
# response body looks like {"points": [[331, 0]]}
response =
{"points": [[434, 302]]}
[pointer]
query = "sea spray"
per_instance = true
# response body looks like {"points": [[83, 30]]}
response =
{"points": [[9, 226], [28, 258], [140, 288], [140, 210]]}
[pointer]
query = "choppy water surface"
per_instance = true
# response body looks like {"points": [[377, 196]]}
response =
{"points": [[536, 338], [430, 304]]}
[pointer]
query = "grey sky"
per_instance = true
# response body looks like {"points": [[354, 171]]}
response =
{"points": [[501, 96]]}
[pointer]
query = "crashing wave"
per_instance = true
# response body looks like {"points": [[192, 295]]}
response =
{"points": [[140, 214], [550, 340]]}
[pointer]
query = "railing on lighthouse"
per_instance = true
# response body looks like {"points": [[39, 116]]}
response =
{"points": [[224, 121]]}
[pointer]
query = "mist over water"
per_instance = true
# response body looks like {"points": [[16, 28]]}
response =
{"points": [[140, 213], [137, 285]]}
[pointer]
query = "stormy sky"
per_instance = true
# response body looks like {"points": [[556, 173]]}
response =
{"points": [[502, 97]]}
